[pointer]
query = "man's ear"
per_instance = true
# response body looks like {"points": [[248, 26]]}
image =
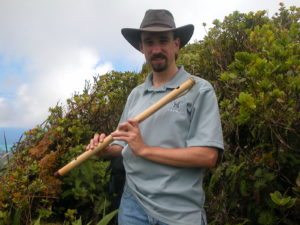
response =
{"points": [[177, 43]]}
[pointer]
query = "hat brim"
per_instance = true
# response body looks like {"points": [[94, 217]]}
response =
{"points": [[133, 36]]}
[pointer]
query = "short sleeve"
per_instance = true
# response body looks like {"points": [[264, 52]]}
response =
{"points": [[205, 128]]}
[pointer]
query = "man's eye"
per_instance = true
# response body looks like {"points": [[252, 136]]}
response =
{"points": [[148, 42]]}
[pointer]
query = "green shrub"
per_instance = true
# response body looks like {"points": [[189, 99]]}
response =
{"points": [[258, 90], [28, 188]]}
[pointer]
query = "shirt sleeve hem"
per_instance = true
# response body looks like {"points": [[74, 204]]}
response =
{"points": [[215, 144]]}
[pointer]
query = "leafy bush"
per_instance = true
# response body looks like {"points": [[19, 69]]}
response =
{"points": [[254, 64], [28, 188]]}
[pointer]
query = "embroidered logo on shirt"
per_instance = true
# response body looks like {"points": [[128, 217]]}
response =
{"points": [[175, 106]]}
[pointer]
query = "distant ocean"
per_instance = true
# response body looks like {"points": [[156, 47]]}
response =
{"points": [[3, 148], [12, 136]]}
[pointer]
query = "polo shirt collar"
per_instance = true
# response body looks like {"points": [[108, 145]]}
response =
{"points": [[179, 77]]}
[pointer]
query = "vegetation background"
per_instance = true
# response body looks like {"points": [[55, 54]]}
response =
{"points": [[252, 60]]}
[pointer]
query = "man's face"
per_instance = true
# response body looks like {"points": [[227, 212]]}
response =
{"points": [[159, 49]]}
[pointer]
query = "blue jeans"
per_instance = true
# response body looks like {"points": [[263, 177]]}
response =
{"points": [[131, 213]]}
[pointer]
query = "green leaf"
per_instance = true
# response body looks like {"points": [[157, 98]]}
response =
{"points": [[78, 222], [37, 222], [243, 188], [291, 203], [106, 219], [17, 217], [281, 200]]}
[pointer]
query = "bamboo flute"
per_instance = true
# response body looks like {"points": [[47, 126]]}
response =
{"points": [[175, 93]]}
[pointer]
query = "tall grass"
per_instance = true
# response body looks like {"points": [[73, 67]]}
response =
{"points": [[6, 149]]}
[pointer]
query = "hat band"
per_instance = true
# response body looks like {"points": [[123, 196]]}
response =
{"points": [[157, 25]]}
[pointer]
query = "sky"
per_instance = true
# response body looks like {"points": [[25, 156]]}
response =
{"points": [[49, 48]]}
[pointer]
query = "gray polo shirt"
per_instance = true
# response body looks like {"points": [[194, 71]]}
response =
{"points": [[173, 195]]}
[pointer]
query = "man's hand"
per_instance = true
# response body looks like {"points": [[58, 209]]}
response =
{"points": [[130, 133], [107, 152], [95, 141]]}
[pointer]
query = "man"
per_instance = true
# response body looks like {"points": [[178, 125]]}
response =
{"points": [[165, 156]]}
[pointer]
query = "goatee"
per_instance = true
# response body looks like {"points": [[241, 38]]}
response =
{"points": [[159, 67]]}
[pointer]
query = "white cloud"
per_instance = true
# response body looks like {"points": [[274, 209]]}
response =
{"points": [[52, 85]]}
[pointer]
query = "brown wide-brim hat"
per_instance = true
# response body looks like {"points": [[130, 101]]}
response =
{"points": [[158, 20]]}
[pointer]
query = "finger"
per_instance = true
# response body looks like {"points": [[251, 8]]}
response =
{"points": [[96, 138], [121, 138], [102, 137], [120, 133], [91, 145]]}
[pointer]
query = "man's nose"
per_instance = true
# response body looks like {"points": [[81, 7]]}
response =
{"points": [[156, 48]]}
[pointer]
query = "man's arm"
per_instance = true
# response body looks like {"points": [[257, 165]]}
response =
{"points": [[181, 157]]}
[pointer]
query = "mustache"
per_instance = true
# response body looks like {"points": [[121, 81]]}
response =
{"points": [[158, 56]]}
